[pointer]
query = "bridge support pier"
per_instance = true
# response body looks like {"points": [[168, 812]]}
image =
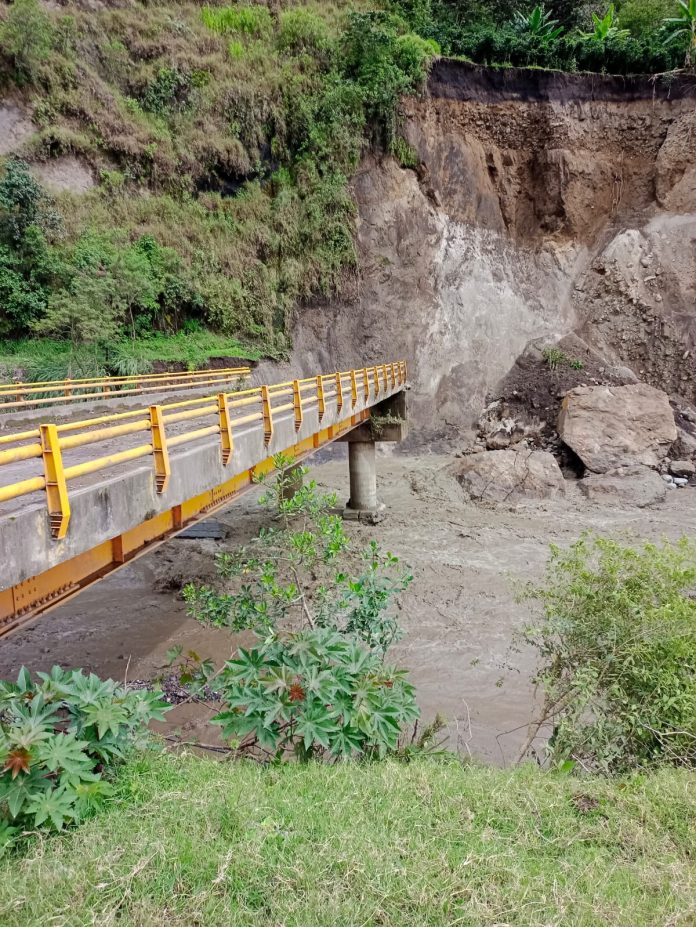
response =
{"points": [[363, 478], [387, 423]]}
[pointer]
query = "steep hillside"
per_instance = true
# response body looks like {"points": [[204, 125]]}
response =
{"points": [[170, 166], [177, 168]]}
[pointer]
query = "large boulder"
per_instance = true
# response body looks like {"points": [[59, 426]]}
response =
{"points": [[510, 476], [635, 485], [617, 426]]}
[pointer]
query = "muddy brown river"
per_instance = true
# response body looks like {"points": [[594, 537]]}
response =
{"points": [[460, 613]]}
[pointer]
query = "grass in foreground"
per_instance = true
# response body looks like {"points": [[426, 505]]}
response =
{"points": [[432, 843]]}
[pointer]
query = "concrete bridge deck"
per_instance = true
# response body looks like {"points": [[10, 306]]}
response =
{"points": [[80, 499]]}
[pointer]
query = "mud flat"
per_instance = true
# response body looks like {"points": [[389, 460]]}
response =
{"points": [[469, 563]]}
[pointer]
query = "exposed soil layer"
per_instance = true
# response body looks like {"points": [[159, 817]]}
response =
{"points": [[530, 395], [457, 80], [542, 204], [460, 613]]}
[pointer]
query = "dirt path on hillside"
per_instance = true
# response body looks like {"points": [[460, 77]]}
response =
{"points": [[460, 612]]}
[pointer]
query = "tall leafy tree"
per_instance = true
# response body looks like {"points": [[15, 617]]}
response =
{"points": [[682, 29]]}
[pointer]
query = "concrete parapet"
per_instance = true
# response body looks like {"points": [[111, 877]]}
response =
{"points": [[127, 499]]}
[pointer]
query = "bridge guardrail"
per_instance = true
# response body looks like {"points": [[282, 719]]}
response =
{"points": [[230, 411], [16, 396]]}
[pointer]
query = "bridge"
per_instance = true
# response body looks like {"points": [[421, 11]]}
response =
{"points": [[71, 514]]}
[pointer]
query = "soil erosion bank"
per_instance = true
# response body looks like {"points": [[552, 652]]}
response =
{"points": [[540, 204]]}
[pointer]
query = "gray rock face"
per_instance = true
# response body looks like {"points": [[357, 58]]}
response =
{"points": [[15, 127], [682, 468], [686, 444], [510, 476], [617, 426], [636, 485]]}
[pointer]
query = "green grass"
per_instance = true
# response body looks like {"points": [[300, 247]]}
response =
{"points": [[395, 845], [194, 349], [44, 359]]}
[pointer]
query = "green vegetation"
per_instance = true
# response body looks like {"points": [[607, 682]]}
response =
{"points": [[555, 358], [681, 29], [622, 38], [539, 22], [316, 685], [58, 738], [46, 359], [618, 655], [223, 137], [427, 844]]}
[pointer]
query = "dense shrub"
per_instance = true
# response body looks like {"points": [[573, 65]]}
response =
{"points": [[385, 61], [314, 692], [303, 32], [169, 92], [488, 36], [317, 683], [59, 739], [26, 39], [618, 54], [23, 204], [644, 17], [617, 643]]}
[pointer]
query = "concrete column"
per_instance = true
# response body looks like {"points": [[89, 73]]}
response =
{"points": [[363, 476]]}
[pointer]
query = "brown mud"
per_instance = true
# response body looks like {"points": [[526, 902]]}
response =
{"points": [[460, 613]]}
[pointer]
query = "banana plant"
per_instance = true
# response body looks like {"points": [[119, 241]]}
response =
{"points": [[606, 27], [682, 28], [538, 23]]}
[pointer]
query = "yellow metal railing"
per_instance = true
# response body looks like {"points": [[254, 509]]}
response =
{"points": [[228, 412], [15, 396]]}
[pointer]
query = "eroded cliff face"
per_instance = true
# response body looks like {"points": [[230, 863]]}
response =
{"points": [[542, 204]]}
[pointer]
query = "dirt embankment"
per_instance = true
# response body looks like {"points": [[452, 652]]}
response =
{"points": [[541, 204]]}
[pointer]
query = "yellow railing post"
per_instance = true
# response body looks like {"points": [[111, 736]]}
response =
{"points": [[267, 415], [321, 401], [226, 437], [68, 387], [159, 448], [297, 404], [56, 485], [221, 405]]}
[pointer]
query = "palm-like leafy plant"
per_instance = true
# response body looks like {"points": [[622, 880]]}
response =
{"points": [[606, 27], [682, 28], [538, 23]]}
